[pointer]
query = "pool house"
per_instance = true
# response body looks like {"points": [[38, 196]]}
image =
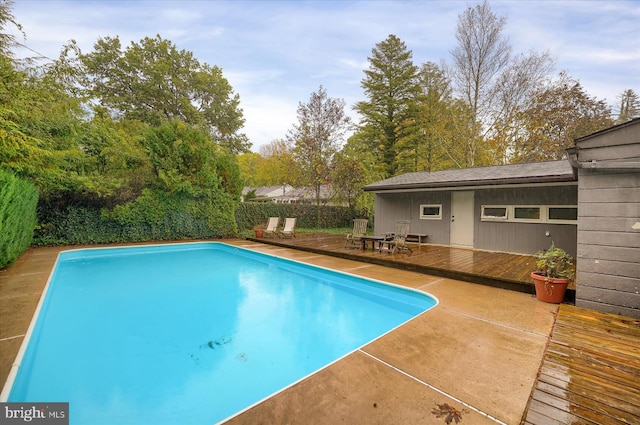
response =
{"points": [[588, 205]]}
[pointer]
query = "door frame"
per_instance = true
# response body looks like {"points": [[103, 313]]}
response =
{"points": [[461, 231]]}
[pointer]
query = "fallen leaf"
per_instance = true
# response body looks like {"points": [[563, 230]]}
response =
{"points": [[449, 413]]}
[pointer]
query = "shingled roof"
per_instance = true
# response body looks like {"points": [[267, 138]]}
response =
{"points": [[536, 172]]}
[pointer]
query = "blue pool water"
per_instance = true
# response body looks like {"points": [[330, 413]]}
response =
{"points": [[193, 333]]}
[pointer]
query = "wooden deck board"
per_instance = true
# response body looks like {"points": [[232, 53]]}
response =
{"points": [[504, 270], [599, 343], [605, 394], [590, 373], [539, 418], [556, 374], [561, 409]]}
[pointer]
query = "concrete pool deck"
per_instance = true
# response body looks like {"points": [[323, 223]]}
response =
{"points": [[476, 354]]}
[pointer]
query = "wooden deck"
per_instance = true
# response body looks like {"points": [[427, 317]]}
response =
{"points": [[498, 269], [590, 373]]}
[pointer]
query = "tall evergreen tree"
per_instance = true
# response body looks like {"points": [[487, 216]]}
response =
{"points": [[424, 135], [391, 87], [629, 106], [7, 40]]}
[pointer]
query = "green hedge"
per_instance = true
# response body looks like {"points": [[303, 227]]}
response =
{"points": [[18, 201], [249, 214], [89, 225], [155, 215], [158, 216], [155, 207]]}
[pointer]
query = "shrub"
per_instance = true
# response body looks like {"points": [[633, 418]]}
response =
{"points": [[249, 214], [555, 263], [18, 201], [155, 215]]}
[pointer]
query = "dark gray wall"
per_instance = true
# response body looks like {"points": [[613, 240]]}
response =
{"points": [[391, 207], [608, 265], [525, 238]]}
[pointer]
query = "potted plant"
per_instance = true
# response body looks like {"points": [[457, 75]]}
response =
{"points": [[555, 270], [259, 230]]}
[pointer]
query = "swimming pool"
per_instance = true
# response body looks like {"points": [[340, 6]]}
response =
{"points": [[193, 333]]}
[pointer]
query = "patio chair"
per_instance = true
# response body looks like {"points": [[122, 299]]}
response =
{"points": [[272, 226], [359, 230], [397, 240], [289, 228]]}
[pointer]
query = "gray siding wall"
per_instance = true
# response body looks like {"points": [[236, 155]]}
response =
{"points": [[618, 145], [608, 266], [524, 238], [391, 207]]}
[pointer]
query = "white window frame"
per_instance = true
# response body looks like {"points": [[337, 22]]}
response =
{"points": [[558, 221], [484, 217], [431, 217], [511, 217]]}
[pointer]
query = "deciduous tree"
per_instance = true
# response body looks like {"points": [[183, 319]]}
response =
{"points": [[556, 114], [183, 158], [249, 163], [153, 81], [272, 165], [481, 53], [348, 177], [492, 82], [40, 121], [278, 166], [364, 162], [322, 124]]}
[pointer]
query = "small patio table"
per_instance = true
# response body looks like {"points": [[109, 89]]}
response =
{"points": [[373, 239]]}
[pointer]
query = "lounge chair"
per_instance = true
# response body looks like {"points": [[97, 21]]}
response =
{"points": [[359, 230], [289, 228], [272, 226], [397, 240]]}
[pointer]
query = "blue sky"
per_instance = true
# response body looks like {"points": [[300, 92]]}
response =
{"points": [[276, 53]]}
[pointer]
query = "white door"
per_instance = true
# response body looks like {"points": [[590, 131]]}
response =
{"points": [[462, 218]]}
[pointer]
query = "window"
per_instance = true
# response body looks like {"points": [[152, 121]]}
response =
{"points": [[562, 214], [527, 213], [494, 213], [431, 212], [555, 214]]}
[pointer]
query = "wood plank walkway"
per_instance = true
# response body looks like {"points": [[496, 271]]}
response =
{"points": [[498, 269], [590, 373]]}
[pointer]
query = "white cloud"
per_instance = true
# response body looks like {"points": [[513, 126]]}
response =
{"points": [[354, 63], [268, 118]]}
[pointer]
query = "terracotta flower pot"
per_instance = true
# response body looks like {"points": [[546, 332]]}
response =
{"points": [[550, 290], [259, 232]]}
